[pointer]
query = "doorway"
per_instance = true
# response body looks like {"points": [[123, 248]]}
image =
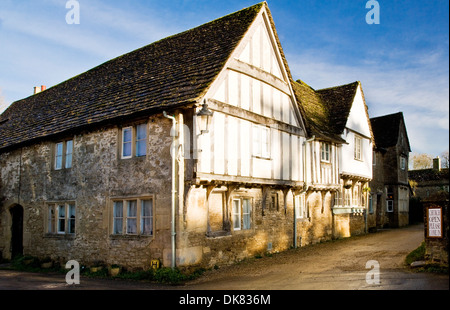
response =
{"points": [[16, 231]]}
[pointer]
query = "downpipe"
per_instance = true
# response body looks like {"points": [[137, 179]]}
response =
{"points": [[173, 231]]}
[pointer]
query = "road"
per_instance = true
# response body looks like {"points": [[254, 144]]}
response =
{"points": [[334, 265]]}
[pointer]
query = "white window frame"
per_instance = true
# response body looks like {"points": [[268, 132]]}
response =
{"points": [[134, 141], [358, 147], [61, 224], [389, 205], [126, 218], [123, 142], [63, 154], [325, 152], [261, 141], [300, 206], [242, 220], [59, 151]]}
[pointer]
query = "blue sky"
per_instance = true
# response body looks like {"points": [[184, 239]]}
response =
{"points": [[402, 63]]}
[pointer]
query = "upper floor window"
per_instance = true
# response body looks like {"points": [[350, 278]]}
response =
{"points": [[261, 141], [134, 141], [325, 152], [358, 147], [403, 162], [63, 154]]}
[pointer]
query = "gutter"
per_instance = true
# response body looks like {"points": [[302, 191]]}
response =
{"points": [[174, 191]]}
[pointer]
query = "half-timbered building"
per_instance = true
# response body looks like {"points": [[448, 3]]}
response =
{"points": [[199, 149]]}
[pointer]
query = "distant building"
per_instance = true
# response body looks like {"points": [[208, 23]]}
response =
{"points": [[389, 188], [426, 182]]}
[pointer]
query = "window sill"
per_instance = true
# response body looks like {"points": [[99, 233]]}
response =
{"points": [[59, 236], [130, 237]]}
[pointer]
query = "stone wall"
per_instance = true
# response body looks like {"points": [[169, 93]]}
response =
{"points": [[97, 176]]}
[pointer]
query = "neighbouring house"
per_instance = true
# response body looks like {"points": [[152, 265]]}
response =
{"points": [[197, 150], [389, 189], [427, 182], [339, 152]]}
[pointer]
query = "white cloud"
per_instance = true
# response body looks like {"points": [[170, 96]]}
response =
{"points": [[418, 87]]}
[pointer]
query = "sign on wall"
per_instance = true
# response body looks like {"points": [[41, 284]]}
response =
{"points": [[434, 222]]}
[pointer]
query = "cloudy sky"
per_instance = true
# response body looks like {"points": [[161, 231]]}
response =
{"points": [[402, 62]]}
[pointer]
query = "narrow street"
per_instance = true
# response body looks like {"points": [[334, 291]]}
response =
{"points": [[334, 265]]}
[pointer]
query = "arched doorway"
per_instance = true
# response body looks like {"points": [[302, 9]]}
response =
{"points": [[16, 230]]}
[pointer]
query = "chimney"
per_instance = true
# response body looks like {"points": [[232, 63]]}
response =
{"points": [[38, 89], [437, 164]]}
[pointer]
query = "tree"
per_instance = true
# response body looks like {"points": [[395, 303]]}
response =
{"points": [[444, 160], [421, 161]]}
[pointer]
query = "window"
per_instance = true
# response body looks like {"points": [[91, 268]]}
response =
{"points": [[370, 204], [127, 134], [390, 205], [300, 206], [63, 154], [403, 162], [358, 148], [347, 195], [61, 218], [242, 213], [59, 155], [69, 150], [325, 152], [134, 141], [133, 216], [261, 141], [374, 158]]}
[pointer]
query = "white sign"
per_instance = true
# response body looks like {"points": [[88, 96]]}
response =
{"points": [[435, 223]]}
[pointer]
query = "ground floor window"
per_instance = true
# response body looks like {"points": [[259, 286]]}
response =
{"points": [[61, 218], [242, 213], [300, 206], [133, 216]]}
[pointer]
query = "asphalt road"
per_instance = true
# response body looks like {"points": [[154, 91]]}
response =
{"points": [[369, 262]]}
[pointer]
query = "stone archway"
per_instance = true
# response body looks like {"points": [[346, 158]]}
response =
{"points": [[16, 230]]}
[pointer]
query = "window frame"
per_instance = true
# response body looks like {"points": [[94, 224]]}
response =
{"points": [[54, 218], [261, 149], [61, 157], [135, 141], [389, 205], [325, 152], [403, 163], [300, 206], [358, 148], [125, 218], [239, 217]]}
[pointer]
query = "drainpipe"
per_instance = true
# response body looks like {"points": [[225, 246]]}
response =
{"points": [[305, 189], [173, 232]]}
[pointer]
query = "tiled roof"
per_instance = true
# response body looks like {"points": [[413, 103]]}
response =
{"points": [[171, 72], [428, 175], [326, 110], [386, 129]]}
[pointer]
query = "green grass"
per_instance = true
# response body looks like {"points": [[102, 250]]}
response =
{"points": [[416, 255]]}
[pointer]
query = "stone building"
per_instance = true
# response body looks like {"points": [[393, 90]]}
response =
{"points": [[389, 188], [197, 150], [426, 182]]}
